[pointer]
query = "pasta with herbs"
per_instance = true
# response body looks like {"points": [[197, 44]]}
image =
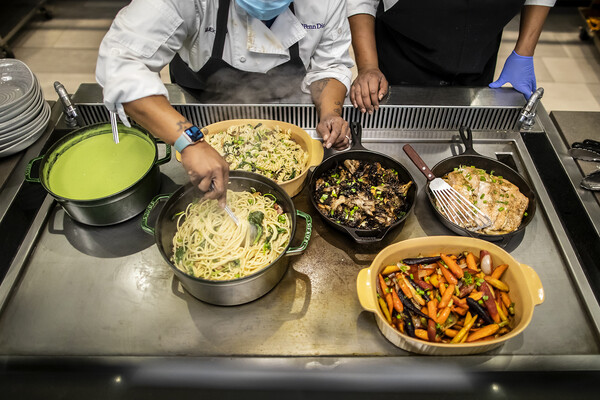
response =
{"points": [[209, 245], [268, 151]]}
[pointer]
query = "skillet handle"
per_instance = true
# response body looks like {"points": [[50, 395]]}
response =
{"points": [[356, 132], [418, 161], [367, 239], [147, 228], [293, 251], [466, 136]]}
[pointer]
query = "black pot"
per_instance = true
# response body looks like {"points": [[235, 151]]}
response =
{"points": [[471, 157], [358, 152], [111, 209], [236, 291]]}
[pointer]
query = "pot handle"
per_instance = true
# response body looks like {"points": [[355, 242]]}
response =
{"points": [[534, 284], [28, 177], [167, 156], [365, 291], [293, 251], [147, 228]]}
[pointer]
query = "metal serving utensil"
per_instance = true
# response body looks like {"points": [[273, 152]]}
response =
{"points": [[226, 208], [589, 144], [592, 181], [584, 154], [232, 215], [454, 205], [113, 125]]}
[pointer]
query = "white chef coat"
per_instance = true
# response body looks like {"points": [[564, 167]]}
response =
{"points": [[145, 36], [370, 6]]}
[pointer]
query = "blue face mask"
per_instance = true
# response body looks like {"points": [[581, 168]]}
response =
{"points": [[264, 10]]}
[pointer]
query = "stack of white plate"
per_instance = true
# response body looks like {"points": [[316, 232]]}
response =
{"points": [[24, 114]]}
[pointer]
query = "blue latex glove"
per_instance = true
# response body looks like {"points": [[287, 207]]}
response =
{"points": [[518, 71]]}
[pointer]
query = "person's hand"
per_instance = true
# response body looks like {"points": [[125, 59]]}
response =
{"points": [[335, 132], [518, 71], [368, 89], [205, 166]]}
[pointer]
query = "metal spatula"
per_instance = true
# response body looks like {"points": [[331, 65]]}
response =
{"points": [[451, 203]]}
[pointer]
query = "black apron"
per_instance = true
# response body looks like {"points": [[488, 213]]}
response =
{"points": [[217, 80], [441, 42]]}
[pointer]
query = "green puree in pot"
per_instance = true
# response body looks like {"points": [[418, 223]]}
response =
{"points": [[98, 167]]}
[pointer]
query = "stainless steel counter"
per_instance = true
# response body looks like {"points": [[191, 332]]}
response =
{"points": [[105, 297]]}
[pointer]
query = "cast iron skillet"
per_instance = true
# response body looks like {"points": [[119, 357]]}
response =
{"points": [[471, 158], [358, 152]]}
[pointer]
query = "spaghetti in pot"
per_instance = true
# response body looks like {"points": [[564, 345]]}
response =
{"points": [[209, 245], [268, 151]]}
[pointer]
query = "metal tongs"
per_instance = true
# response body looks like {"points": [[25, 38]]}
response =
{"points": [[588, 150]]}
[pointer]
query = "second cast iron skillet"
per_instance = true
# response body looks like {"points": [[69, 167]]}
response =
{"points": [[358, 152], [471, 158]]}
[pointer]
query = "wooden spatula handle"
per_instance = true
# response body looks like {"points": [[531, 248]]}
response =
{"points": [[418, 161]]}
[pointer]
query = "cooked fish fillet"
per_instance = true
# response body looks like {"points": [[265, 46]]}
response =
{"points": [[495, 196]]}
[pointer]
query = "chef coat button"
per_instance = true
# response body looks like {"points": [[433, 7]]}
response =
{"points": [[242, 59], [339, 30]]}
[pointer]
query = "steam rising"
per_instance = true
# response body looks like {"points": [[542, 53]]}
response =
{"points": [[231, 86]]}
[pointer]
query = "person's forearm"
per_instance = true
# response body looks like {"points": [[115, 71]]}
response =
{"points": [[328, 95], [532, 22], [362, 27], [156, 114]]}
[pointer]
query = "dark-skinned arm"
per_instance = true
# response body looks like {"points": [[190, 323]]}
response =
{"points": [[203, 164], [328, 95], [370, 85], [530, 28], [518, 68]]}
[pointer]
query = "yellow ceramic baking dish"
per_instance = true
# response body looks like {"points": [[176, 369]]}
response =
{"points": [[299, 135], [526, 290]]}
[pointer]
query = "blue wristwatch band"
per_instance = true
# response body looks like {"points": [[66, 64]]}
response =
{"points": [[181, 143], [189, 136]]}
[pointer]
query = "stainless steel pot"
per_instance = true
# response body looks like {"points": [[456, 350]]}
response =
{"points": [[108, 210], [237, 291]]}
